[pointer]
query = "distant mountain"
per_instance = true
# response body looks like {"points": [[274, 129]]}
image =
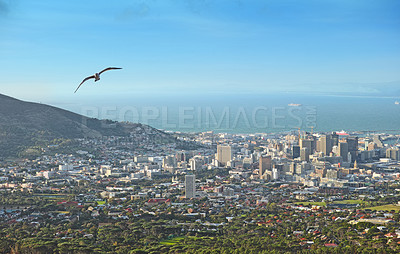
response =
{"points": [[25, 124]]}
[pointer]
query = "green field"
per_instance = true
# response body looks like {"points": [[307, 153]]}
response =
{"points": [[53, 197], [172, 241], [311, 203], [101, 202], [349, 201], [385, 207]]}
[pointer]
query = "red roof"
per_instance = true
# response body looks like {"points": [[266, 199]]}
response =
{"points": [[158, 200], [331, 245]]}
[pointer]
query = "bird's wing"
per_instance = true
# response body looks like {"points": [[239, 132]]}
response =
{"points": [[109, 68], [84, 81]]}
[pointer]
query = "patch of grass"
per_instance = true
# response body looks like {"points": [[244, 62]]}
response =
{"points": [[172, 241], [311, 203], [385, 207], [101, 202], [52, 197], [349, 201], [168, 242]]}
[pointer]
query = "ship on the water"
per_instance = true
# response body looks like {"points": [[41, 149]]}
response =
{"points": [[342, 133], [294, 105]]}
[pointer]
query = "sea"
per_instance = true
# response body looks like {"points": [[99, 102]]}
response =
{"points": [[247, 113]]}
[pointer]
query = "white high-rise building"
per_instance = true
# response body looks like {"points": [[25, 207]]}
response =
{"points": [[224, 154], [196, 163], [190, 186], [275, 174]]}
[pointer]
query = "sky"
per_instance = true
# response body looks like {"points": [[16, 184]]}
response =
{"points": [[194, 46]]}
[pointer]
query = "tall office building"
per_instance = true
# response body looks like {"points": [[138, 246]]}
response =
{"points": [[190, 186], [296, 151], [325, 144], [307, 143], [265, 163], [343, 149], [335, 139], [224, 154], [304, 154], [353, 147]]}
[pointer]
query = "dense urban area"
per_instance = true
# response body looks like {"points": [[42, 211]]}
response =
{"points": [[298, 191]]}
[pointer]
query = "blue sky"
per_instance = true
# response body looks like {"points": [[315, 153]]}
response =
{"points": [[194, 46]]}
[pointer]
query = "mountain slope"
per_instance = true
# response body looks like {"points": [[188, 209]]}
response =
{"points": [[24, 124]]}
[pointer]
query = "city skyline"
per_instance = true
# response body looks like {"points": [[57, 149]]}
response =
{"points": [[231, 126]]}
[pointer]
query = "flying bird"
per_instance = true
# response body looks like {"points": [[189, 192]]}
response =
{"points": [[96, 76]]}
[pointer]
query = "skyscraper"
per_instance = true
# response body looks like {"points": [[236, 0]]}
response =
{"points": [[304, 154], [224, 154], [190, 186], [325, 144], [343, 150], [296, 151], [353, 147], [307, 143], [335, 139], [265, 163]]}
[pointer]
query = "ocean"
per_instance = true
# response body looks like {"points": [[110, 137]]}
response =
{"points": [[247, 113]]}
